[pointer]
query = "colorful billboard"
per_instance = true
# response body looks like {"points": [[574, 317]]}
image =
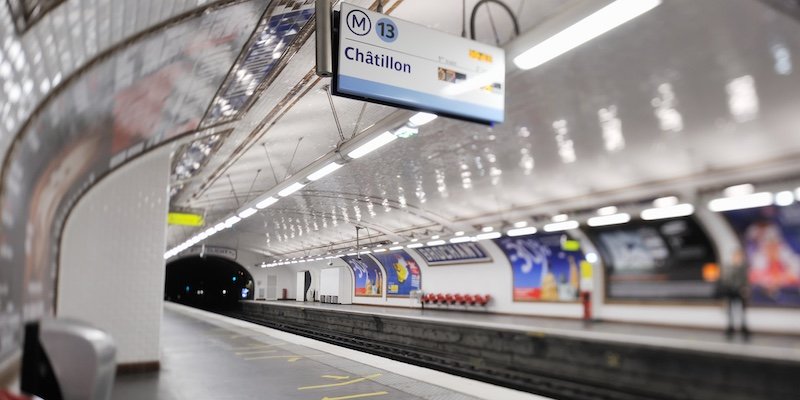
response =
{"points": [[656, 260], [402, 273], [367, 275], [453, 253], [545, 267], [771, 240]]}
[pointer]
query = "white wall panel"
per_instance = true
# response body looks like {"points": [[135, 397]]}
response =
{"points": [[112, 267]]}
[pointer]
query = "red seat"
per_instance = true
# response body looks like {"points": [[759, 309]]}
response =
{"points": [[440, 298], [449, 298], [460, 298], [469, 299]]}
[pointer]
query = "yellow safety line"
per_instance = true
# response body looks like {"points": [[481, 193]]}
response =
{"points": [[255, 352], [340, 383], [339, 377], [356, 396]]}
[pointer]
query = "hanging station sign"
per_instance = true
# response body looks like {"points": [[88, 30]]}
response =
{"points": [[453, 253], [394, 62]]}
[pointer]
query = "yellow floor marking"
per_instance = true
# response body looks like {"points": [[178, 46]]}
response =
{"points": [[373, 376], [356, 396], [255, 352], [337, 377]]}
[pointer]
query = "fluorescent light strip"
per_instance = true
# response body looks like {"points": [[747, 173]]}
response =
{"points": [[488, 235], [266, 203], [678, 210], [324, 171], [596, 24], [461, 239], [220, 226], [422, 118], [784, 198], [414, 245], [761, 199], [291, 189], [396, 248], [374, 144], [561, 226], [436, 243], [378, 250], [520, 224], [232, 221], [247, 213], [612, 219], [521, 231]]}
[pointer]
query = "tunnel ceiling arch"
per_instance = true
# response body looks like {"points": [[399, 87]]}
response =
{"points": [[639, 121]]}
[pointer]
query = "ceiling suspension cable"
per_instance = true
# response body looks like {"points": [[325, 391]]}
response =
{"points": [[501, 4]]}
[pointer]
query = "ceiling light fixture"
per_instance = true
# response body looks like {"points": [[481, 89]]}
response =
{"points": [[586, 21], [530, 230], [561, 226], [488, 235], [678, 210], [372, 145], [613, 219], [461, 239], [325, 171], [266, 203], [291, 189], [761, 199], [247, 213], [422, 118]]}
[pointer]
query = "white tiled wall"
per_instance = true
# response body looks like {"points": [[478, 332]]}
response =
{"points": [[112, 267]]}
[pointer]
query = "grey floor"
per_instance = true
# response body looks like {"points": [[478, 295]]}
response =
{"points": [[771, 346], [203, 360]]}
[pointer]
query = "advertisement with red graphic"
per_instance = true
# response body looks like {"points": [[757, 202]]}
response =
{"points": [[402, 273]]}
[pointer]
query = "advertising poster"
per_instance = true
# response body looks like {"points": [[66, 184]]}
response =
{"points": [[771, 240], [402, 273], [545, 267], [368, 276], [656, 260]]}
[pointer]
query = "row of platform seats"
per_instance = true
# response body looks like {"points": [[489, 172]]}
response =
{"points": [[454, 299]]}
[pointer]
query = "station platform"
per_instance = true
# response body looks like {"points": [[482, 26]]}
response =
{"points": [[766, 346], [552, 357], [207, 356]]}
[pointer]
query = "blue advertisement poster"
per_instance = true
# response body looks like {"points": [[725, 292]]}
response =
{"points": [[771, 240], [402, 273], [367, 274], [546, 267]]}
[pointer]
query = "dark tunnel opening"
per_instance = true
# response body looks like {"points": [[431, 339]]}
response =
{"points": [[209, 283]]}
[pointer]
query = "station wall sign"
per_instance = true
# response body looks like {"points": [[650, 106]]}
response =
{"points": [[453, 253], [211, 251], [394, 62]]}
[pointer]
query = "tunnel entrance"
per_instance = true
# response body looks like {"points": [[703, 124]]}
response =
{"points": [[210, 283]]}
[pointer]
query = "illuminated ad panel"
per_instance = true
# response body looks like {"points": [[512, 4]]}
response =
{"points": [[398, 63], [368, 276], [666, 259], [771, 240], [545, 267], [402, 273]]}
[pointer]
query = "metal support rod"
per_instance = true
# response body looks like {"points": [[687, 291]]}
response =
{"points": [[323, 35], [335, 115]]}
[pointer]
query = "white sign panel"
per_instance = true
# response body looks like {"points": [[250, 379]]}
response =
{"points": [[211, 251], [399, 63]]}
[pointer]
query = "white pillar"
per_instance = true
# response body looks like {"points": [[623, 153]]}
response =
{"points": [[111, 271]]}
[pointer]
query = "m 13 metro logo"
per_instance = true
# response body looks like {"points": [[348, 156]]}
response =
{"points": [[358, 22]]}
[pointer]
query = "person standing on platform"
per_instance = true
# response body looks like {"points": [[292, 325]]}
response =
{"points": [[735, 292]]}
